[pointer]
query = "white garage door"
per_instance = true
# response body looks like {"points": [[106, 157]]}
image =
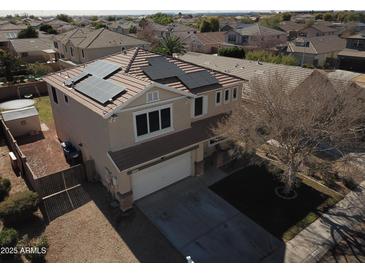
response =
{"points": [[153, 178]]}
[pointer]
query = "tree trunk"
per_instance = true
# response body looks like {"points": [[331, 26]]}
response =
{"points": [[290, 180]]}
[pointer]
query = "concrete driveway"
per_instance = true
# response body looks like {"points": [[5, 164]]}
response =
{"points": [[200, 224]]}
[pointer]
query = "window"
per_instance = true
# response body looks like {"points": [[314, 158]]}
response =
{"points": [[218, 97], [66, 99], [72, 52], [55, 44], [54, 94], [153, 122], [24, 54], [226, 96], [216, 140], [200, 106], [83, 54], [231, 38], [152, 96], [234, 94]]}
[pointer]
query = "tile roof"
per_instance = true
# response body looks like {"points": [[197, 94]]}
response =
{"points": [[360, 35], [100, 38], [147, 151], [352, 53], [246, 69], [210, 37], [133, 78], [318, 44], [258, 30], [10, 26], [31, 44]]}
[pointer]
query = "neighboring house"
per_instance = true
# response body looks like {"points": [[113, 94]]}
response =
{"points": [[316, 30], [156, 31], [295, 30], [123, 27], [204, 42], [302, 18], [143, 134], [256, 36], [316, 51], [9, 31], [59, 25], [83, 44], [353, 56], [32, 49]]}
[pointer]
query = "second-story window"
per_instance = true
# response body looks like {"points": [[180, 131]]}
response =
{"points": [[54, 95], [200, 106], [234, 94], [226, 96], [153, 122], [218, 97], [72, 52], [55, 44]]}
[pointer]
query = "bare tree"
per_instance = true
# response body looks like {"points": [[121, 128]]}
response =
{"points": [[293, 124]]}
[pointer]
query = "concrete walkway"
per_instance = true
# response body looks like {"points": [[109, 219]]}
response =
{"points": [[313, 242]]}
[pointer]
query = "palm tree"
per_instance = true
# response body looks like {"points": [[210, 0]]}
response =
{"points": [[169, 45]]}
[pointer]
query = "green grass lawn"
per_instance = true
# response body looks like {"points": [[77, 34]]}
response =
{"points": [[44, 108]]}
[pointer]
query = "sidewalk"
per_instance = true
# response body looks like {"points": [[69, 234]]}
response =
{"points": [[313, 242]]}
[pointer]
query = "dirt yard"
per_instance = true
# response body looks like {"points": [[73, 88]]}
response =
{"points": [[44, 153], [85, 235], [6, 171]]}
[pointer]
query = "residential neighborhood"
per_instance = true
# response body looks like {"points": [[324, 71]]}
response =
{"points": [[182, 137]]}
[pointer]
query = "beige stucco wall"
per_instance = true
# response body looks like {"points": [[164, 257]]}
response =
{"points": [[24, 126]]}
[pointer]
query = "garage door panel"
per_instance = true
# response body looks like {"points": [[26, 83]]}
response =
{"points": [[161, 175]]}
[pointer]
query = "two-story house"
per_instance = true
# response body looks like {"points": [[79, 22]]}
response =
{"points": [[82, 45], [256, 36], [145, 120], [353, 56]]}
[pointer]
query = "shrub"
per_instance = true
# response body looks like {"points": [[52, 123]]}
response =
{"points": [[19, 207], [8, 237], [8, 240], [232, 52], [29, 32], [40, 246], [5, 187]]}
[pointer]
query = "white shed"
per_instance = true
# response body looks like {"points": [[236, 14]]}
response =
{"points": [[24, 121]]}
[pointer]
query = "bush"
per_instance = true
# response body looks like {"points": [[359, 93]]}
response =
{"points": [[39, 246], [265, 56], [8, 237], [29, 32], [5, 187], [232, 52], [8, 240], [19, 207]]}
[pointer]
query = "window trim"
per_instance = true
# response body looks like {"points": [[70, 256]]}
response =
{"points": [[220, 97], [152, 93], [229, 96], [205, 106], [155, 133]]}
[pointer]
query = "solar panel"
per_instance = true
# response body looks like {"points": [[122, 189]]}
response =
{"points": [[160, 68], [76, 79], [101, 68], [98, 89], [198, 79]]}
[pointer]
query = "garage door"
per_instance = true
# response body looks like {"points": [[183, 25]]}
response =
{"points": [[153, 178]]}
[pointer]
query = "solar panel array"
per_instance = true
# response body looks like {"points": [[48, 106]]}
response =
{"points": [[99, 89], [198, 79], [160, 69], [91, 82]]}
